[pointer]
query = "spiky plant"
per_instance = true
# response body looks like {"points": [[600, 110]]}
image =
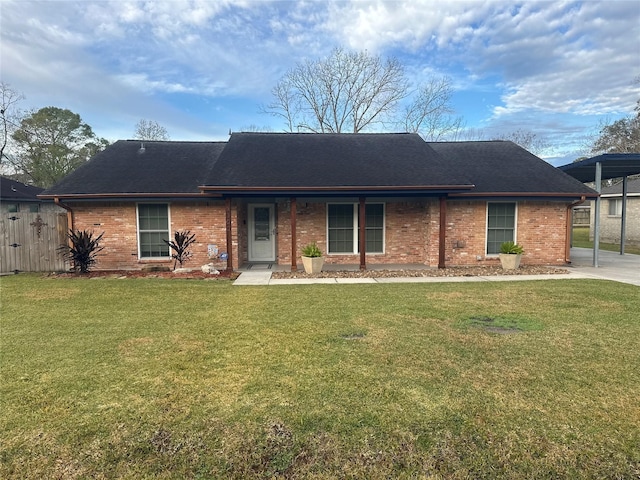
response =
{"points": [[83, 249], [180, 244]]}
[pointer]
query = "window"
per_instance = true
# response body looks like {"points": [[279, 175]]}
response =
{"points": [[501, 221], [153, 227], [342, 227], [615, 207], [13, 208], [34, 207], [374, 227]]}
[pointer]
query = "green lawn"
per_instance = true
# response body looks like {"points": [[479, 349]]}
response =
{"points": [[581, 239], [153, 378]]}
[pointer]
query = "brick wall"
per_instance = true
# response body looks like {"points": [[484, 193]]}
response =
{"points": [[411, 232], [120, 240], [540, 229]]}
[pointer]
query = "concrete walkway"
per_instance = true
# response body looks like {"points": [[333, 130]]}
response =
{"points": [[613, 266]]}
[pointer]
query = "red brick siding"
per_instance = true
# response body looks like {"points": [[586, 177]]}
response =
{"points": [[310, 227], [120, 241], [540, 229], [411, 232]]}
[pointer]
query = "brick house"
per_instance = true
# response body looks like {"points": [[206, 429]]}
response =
{"points": [[363, 198]]}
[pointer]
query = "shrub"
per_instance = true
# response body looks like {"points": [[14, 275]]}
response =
{"points": [[180, 244], [311, 250], [83, 249], [511, 248]]}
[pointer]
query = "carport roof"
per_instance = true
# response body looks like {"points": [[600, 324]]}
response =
{"points": [[614, 165]]}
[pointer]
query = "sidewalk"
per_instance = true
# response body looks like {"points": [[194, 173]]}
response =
{"points": [[619, 268]]}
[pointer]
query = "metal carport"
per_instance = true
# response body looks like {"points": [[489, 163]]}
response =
{"points": [[604, 167]]}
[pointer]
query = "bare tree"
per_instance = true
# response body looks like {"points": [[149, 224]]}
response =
{"points": [[526, 139], [621, 136], [256, 129], [150, 130], [430, 112], [10, 116], [345, 92]]}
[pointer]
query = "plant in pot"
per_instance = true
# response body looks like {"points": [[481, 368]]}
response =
{"points": [[510, 255], [312, 258]]}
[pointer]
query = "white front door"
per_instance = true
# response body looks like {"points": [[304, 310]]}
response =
{"points": [[262, 241]]}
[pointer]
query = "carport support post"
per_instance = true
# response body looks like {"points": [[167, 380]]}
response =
{"points": [[362, 233], [623, 222], [293, 212], [596, 228]]}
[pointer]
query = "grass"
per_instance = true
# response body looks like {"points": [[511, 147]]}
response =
{"points": [[152, 378], [581, 239]]}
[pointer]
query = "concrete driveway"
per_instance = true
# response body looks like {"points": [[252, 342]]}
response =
{"points": [[612, 266]]}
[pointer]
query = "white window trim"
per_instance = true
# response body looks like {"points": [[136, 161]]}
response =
{"points": [[486, 228], [356, 245], [618, 202], [140, 257]]}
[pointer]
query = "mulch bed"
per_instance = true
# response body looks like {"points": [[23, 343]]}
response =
{"points": [[428, 272], [225, 275], [193, 275]]}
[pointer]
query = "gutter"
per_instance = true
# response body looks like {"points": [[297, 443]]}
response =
{"points": [[521, 194], [567, 238], [99, 196]]}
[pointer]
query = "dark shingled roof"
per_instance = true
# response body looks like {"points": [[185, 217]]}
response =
{"points": [[613, 165], [276, 163], [123, 168], [633, 186], [331, 160], [10, 190], [504, 167]]}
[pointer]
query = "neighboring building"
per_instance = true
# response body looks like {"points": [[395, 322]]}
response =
{"points": [[363, 198], [611, 213], [31, 229], [18, 197]]}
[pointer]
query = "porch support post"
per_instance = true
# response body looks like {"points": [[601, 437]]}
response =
{"points": [[227, 204], [362, 239], [443, 232], [294, 264]]}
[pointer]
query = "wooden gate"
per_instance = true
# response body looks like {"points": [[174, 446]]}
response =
{"points": [[29, 242]]}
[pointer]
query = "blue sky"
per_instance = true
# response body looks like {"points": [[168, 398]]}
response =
{"points": [[201, 68]]}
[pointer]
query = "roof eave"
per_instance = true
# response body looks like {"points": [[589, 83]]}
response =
{"points": [[112, 196], [523, 194]]}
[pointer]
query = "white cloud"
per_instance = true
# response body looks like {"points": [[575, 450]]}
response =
{"points": [[552, 56], [131, 59]]}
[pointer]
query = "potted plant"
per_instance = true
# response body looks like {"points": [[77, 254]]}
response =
{"points": [[312, 258], [510, 254]]}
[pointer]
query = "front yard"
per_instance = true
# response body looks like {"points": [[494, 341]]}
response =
{"points": [[154, 378]]}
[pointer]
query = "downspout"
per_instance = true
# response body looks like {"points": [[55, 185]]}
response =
{"points": [[567, 242], [57, 201]]}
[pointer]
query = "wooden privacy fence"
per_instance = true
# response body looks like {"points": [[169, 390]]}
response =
{"points": [[30, 241]]}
